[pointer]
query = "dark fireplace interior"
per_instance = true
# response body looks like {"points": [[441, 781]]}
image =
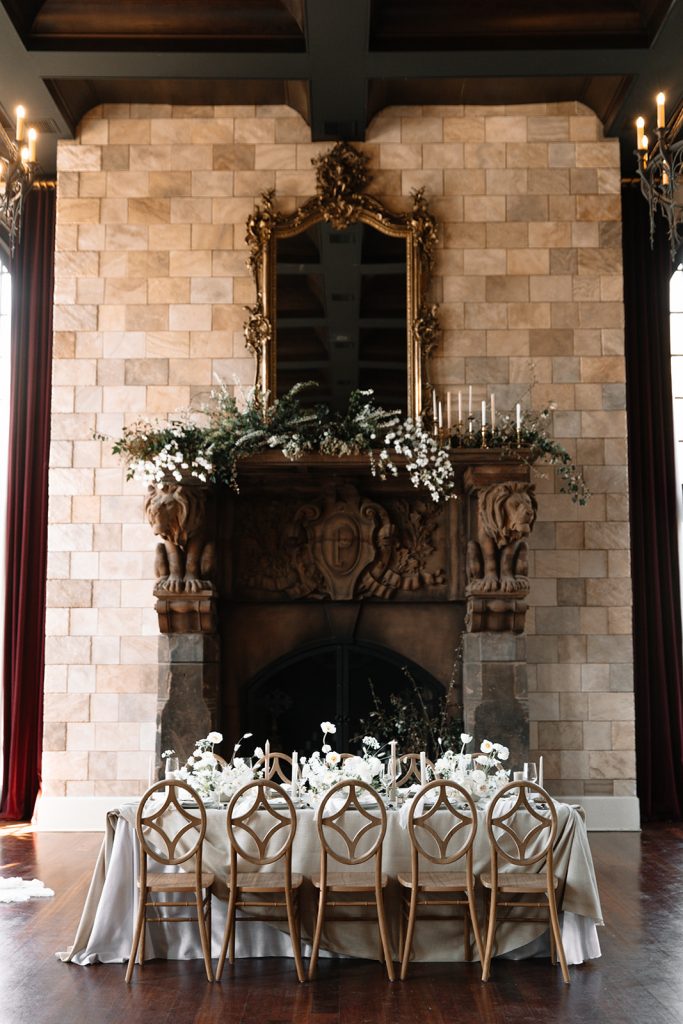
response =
{"points": [[333, 682]]}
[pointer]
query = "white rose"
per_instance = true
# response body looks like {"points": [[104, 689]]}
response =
{"points": [[215, 737], [486, 746]]}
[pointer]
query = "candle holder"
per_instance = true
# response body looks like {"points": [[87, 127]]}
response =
{"points": [[484, 442], [519, 435]]}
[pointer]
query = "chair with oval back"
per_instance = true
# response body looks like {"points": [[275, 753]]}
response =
{"points": [[163, 840], [261, 824], [369, 821], [409, 766], [441, 831], [276, 766], [513, 839]]}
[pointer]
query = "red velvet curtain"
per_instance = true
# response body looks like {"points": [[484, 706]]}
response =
{"points": [[654, 539], [31, 359]]}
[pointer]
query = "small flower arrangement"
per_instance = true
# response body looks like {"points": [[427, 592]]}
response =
{"points": [[324, 768], [212, 780], [482, 774]]}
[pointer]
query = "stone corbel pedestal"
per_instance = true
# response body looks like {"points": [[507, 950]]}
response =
{"points": [[502, 512], [189, 687]]}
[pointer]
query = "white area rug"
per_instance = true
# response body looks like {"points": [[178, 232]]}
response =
{"points": [[18, 890]]}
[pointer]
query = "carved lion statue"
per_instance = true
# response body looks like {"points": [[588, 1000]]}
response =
{"points": [[185, 560], [499, 562]]}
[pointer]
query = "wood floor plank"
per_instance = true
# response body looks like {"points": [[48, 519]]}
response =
{"points": [[638, 977]]}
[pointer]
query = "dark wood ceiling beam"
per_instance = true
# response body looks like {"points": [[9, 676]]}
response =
{"points": [[337, 35]]}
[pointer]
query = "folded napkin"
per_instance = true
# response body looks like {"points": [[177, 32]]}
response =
{"points": [[19, 890]]}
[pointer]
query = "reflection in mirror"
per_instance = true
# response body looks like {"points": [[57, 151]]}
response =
{"points": [[341, 309]]}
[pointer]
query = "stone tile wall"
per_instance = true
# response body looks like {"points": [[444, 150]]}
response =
{"points": [[150, 289]]}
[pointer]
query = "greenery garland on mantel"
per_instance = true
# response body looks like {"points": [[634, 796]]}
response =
{"points": [[206, 446]]}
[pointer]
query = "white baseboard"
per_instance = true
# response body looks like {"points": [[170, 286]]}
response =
{"points": [[88, 813], [75, 813], [609, 813]]}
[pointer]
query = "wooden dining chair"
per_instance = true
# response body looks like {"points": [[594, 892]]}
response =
{"points": [[171, 842], [524, 845], [409, 770], [352, 824], [276, 767], [442, 824], [261, 826]]}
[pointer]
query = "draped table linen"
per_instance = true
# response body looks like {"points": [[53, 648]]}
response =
{"points": [[105, 930]]}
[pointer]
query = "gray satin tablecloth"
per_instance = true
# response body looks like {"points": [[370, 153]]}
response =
{"points": [[105, 930]]}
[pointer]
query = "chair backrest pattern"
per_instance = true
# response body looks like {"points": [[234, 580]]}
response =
{"points": [[409, 764], [331, 820], [277, 766], [501, 821], [153, 822], [268, 816], [451, 816]]}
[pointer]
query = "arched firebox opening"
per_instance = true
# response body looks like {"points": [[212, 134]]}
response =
{"points": [[330, 682]]}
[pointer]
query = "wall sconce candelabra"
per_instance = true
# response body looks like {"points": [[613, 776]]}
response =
{"points": [[660, 170], [17, 173]]}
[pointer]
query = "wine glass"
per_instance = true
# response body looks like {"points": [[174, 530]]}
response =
{"points": [[172, 767], [529, 771]]}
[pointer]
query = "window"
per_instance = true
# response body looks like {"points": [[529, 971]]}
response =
{"points": [[676, 326]]}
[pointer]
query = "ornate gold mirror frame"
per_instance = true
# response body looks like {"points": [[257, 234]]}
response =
{"points": [[341, 177]]}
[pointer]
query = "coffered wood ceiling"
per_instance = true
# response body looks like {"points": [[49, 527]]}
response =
{"points": [[337, 62]]}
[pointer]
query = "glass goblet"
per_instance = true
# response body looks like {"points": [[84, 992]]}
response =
{"points": [[172, 767], [529, 771]]}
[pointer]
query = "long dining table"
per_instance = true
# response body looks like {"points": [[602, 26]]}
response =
{"points": [[106, 926]]}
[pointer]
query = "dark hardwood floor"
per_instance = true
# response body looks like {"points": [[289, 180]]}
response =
{"points": [[639, 977]]}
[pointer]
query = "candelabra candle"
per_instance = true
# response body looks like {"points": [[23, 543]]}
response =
{"points": [[266, 759], [470, 420], [459, 406], [423, 768], [493, 411], [518, 422], [661, 112], [469, 401], [448, 409], [295, 775], [483, 425]]}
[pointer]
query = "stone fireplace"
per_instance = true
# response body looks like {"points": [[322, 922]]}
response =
{"points": [[324, 582]]}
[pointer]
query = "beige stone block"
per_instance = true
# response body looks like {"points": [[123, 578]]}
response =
{"points": [[488, 154], [123, 399], [486, 315], [463, 182], [70, 537], [127, 679], [190, 371], [189, 317], [71, 765], [210, 344], [126, 236], [507, 235], [127, 131], [169, 236], [54, 736], [78, 211], [76, 157], [56, 621], [548, 129], [137, 707], [61, 707], [294, 129], [57, 565], [212, 236], [505, 129], [116, 158], [529, 315], [149, 211], [167, 290], [613, 764], [484, 208], [75, 318], [460, 289], [190, 211], [465, 236], [464, 129], [170, 183], [561, 208], [544, 707], [442, 155], [585, 235], [54, 679], [598, 154], [530, 155], [141, 319], [561, 677], [212, 183], [620, 619], [574, 765], [561, 154], [125, 184], [528, 261], [550, 288], [80, 735], [606, 369], [125, 290], [115, 736], [573, 707], [597, 736], [548, 181], [611, 649], [560, 735], [186, 264], [164, 400], [556, 564], [85, 508], [484, 261], [597, 208], [603, 424], [431, 181]]}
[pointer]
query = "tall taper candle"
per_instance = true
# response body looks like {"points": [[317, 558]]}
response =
{"points": [[423, 768], [440, 415], [295, 775], [459, 406], [448, 409], [518, 415], [267, 759], [640, 131], [493, 411], [21, 120], [483, 414], [434, 404], [469, 401], [661, 112], [393, 767]]}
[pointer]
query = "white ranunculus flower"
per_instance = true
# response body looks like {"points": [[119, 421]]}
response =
{"points": [[215, 737], [465, 738], [333, 758], [326, 748], [328, 727], [503, 752], [486, 746], [258, 752], [357, 768]]}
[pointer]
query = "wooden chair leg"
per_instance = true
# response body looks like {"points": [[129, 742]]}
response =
{"points": [[551, 936], [410, 930], [313, 962], [466, 937], [294, 934], [229, 927], [139, 923], [205, 940], [383, 933], [555, 923], [486, 967], [474, 921], [233, 933]]}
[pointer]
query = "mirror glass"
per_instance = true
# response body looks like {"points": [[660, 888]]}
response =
{"points": [[341, 314]]}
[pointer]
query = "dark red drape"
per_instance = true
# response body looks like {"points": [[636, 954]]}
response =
{"points": [[654, 541], [32, 285]]}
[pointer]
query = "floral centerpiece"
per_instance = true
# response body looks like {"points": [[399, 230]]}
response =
{"points": [[481, 774], [324, 768], [212, 779]]}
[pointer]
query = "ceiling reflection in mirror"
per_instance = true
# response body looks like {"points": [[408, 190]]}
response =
{"points": [[341, 314]]}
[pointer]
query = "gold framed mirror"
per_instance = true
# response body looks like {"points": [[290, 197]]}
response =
{"points": [[342, 291]]}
